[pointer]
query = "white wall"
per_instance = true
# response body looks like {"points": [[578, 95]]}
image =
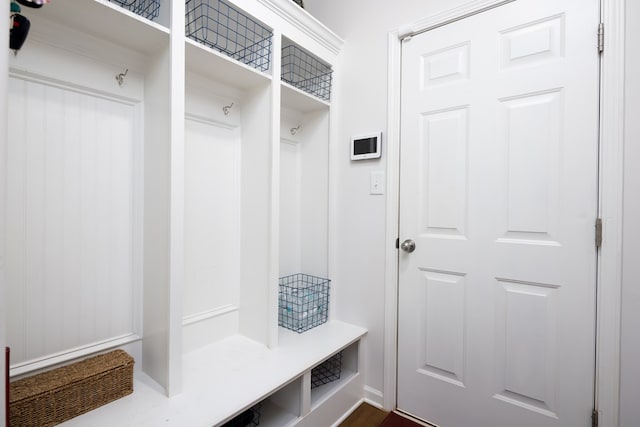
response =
{"points": [[360, 100], [630, 346]]}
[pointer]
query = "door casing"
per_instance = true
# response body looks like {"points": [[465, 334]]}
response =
{"points": [[609, 264]]}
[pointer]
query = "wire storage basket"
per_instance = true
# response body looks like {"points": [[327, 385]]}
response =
{"points": [[250, 417], [146, 8], [306, 72], [303, 302], [220, 26], [328, 371]]}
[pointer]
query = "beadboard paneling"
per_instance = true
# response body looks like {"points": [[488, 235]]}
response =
{"points": [[71, 242], [212, 219], [290, 197]]}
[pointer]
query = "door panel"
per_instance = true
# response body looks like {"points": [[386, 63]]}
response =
{"points": [[499, 192]]}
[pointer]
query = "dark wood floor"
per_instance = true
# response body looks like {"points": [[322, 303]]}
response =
{"points": [[365, 416], [368, 416]]}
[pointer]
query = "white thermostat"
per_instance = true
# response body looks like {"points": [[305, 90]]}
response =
{"points": [[366, 146]]}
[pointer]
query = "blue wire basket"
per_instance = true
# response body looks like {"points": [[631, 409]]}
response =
{"points": [[219, 25], [303, 302], [145, 8], [306, 72]]}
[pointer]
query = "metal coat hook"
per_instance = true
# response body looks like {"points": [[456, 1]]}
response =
{"points": [[226, 109], [294, 130], [120, 77]]}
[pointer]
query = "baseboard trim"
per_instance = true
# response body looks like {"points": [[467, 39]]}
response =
{"points": [[374, 397]]}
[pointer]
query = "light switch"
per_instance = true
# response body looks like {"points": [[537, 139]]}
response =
{"points": [[377, 182]]}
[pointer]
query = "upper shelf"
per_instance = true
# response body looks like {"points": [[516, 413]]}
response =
{"points": [[219, 67], [301, 101], [106, 21]]}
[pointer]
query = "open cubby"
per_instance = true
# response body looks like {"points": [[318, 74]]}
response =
{"points": [[348, 370], [282, 408], [304, 186], [227, 174], [103, 186], [250, 417], [327, 372]]}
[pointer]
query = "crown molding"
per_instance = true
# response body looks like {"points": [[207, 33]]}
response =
{"points": [[307, 24]]}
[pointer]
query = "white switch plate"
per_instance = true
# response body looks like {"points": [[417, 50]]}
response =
{"points": [[377, 183]]}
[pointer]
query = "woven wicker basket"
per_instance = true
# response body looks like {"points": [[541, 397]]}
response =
{"points": [[58, 395]]}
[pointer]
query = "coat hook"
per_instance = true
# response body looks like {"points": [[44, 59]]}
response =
{"points": [[226, 109], [120, 77], [294, 130]]}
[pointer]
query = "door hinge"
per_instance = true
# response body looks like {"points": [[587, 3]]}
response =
{"points": [[594, 418], [398, 243], [598, 233], [601, 37]]}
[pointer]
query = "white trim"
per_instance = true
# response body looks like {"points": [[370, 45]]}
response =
{"points": [[274, 220], [138, 223], [611, 181], [391, 259], [176, 208], [611, 208], [209, 314], [29, 76], [209, 121], [373, 397], [4, 82], [290, 142], [307, 24], [71, 354], [332, 208]]}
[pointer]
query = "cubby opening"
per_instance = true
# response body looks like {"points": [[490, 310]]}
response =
{"points": [[282, 408], [329, 368], [77, 256], [304, 190], [227, 177]]}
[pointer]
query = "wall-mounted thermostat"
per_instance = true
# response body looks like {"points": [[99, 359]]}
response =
{"points": [[366, 146]]}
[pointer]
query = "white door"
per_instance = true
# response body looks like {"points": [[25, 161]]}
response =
{"points": [[499, 192]]}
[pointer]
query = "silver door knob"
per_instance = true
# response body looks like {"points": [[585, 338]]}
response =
{"points": [[408, 246]]}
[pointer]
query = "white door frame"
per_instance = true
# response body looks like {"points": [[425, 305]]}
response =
{"points": [[609, 280], [4, 136]]}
